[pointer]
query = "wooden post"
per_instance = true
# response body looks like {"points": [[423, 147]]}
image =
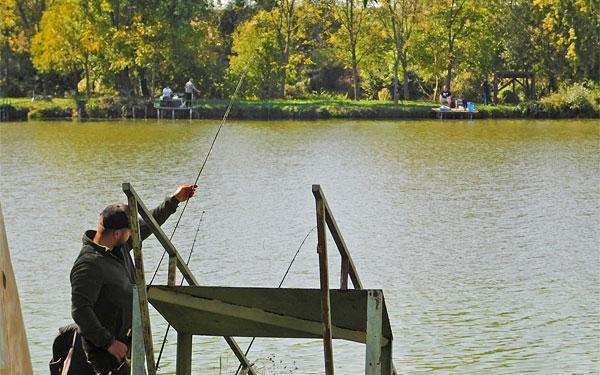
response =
{"points": [[337, 237], [324, 277], [387, 366], [172, 270], [374, 333], [184, 354], [141, 284], [137, 338], [344, 273], [496, 82]]}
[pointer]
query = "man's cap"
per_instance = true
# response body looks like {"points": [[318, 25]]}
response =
{"points": [[115, 216]]}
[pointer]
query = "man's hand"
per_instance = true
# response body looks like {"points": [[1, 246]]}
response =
{"points": [[118, 350], [185, 192]]}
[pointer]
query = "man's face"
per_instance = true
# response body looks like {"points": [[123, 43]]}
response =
{"points": [[123, 235]]}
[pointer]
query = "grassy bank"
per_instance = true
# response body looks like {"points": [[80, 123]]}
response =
{"points": [[116, 108]]}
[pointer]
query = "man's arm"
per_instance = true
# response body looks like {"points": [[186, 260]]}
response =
{"points": [[168, 207]]}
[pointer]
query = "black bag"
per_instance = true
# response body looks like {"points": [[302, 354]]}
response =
{"points": [[68, 356]]}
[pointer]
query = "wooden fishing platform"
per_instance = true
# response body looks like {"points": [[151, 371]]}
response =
{"points": [[453, 113], [357, 315], [163, 112], [6, 109]]}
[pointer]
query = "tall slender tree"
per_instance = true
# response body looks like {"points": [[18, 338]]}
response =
{"points": [[351, 16], [401, 17]]}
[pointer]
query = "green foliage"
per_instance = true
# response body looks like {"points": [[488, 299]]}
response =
{"points": [[507, 96], [132, 46], [574, 101], [384, 95]]}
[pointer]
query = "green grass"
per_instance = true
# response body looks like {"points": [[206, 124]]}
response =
{"points": [[114, 107]]}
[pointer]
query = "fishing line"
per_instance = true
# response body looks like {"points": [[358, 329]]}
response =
{"points": [[212, 145], [280, 284], [180, 284]]}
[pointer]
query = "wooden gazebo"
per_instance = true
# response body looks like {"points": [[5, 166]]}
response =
{"points": [[525, 79]]}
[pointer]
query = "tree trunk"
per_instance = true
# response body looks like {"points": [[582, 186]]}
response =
{"points": [[450, 63], [125, 82], [87, 77], [286, 57], [396, 63], [405, 77], [143, 83], [355, 75]]}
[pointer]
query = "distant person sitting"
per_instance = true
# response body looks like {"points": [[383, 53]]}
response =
{"points": [[189, 92], [167, 93], [165, 99], [445, 96]]}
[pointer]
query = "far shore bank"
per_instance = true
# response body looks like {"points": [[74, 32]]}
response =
{"points": [[140, 108]]}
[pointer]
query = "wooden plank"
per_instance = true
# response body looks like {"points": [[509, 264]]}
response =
{"points": [[137, 339], [14, 351], [160, 235], [183, 365], [374, 333], [221, 310], [336, 234], [324, 280], [141, 284]]}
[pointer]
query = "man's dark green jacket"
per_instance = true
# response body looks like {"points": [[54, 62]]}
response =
{"points": [[102, 283]]}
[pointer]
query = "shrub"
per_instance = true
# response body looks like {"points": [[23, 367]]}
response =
{"points": [[34, 114], [384, 95], [573, 101], [508, 97]]}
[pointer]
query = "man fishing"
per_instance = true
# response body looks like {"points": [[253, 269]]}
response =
{"points": [[102, 280], [189, 93]]}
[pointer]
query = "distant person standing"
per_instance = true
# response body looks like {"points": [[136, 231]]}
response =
{"points": [[486, 90], [189, 92]]}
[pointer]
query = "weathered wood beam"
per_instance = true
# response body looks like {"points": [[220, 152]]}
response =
{"points": [[324, 279], [160, 235], [374, 333], [137, 338], [141, 284], [336, 234], [255, 315], [183, 364]]}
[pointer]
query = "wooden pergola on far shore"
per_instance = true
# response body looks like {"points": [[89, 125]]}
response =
{"points": [[525, 79]]}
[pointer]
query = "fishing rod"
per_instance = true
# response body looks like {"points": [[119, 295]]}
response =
{"points": [[280, 284], [162, 347], [212, 145]]}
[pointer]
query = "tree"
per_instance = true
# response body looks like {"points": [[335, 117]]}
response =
{"points": [[283, 22], [345, 39], [458, 17], [567, 31], [401, 16], [19, 20], [65, 40], [256, 49]]}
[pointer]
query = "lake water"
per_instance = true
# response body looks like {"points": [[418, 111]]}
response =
{"points": [[484, 235]]}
